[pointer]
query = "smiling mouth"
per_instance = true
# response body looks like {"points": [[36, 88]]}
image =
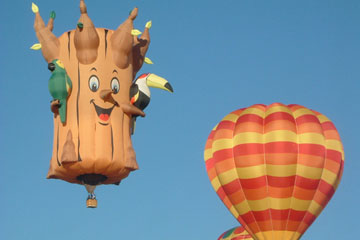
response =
{"points": [[103, 113]]}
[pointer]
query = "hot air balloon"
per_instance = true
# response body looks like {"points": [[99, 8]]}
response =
{"points": [[236, 233], [275, 167], [92, 72]]}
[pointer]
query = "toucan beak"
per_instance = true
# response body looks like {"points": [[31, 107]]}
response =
{"points": [[107, 97], [158, 82]]}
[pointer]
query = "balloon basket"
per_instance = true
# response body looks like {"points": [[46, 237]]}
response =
{"points": [[91, 203]]}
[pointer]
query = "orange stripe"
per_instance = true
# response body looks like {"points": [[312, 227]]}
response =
{"points": [[310, 128], [283, 192], [249, 160], [256, 194], [237, 197], [332, 166], [248, 127], [280, 125], [311, 160], [224, 165], [303, 194], [281, 158]]}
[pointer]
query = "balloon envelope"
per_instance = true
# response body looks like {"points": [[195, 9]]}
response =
{"points": [[236, 233], [275, 167]]}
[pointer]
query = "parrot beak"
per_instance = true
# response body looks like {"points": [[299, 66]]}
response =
{"points": [[155, 81], [107, 97]]}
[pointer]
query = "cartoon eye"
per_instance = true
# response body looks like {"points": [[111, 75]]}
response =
{"points": [[94, 83], [115, 86]]}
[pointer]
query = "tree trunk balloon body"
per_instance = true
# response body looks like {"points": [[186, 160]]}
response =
{"points": [[275, 167], [93, 145]]}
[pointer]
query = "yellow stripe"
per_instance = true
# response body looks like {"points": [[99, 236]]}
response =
{"points": [[234, 212], [251, 172], [242, 207], [208, 154], [281, 170], [277, 109], [248, 137], [222, 144], [230, 117], [280, 136], [329, 176], [309, 172], [280, 203], [315, 208], [302, 111], [314, 138], [255, 111], [300, 205], [275, 203], [323, 118], [336, 145], [227, 177], [216, 184]]}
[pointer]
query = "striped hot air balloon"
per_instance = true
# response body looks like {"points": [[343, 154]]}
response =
{"points": [[236, 233], [275, 167]]}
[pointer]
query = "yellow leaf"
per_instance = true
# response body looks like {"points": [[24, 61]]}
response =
{"points": [[34, 8], [148, 60], [135, 32], [36, 46], [148, 24]]}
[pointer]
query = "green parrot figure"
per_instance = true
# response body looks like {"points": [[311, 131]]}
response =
{"points": [[60, 86]]}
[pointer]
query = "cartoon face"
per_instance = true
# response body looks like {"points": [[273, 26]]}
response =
{"points": [[106, 94]]}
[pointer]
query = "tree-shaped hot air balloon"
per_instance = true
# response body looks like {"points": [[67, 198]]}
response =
{"points": [[275, 167], [236, 233], [93, 70]]}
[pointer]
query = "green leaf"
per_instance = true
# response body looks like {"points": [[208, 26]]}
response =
{"points": [[53, 15]]}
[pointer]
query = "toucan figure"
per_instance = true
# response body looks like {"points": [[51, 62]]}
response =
{"points": [[140, 92]]}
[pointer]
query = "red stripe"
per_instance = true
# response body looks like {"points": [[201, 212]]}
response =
{"points": [[225, 124], [211, 135], [253, 183], [328, 126], [281, 215], [210, 163], [232, 187], [223, 154], [306, 183], [250, 118], [279, 116], [281, 181], [248, 217], [312, 149], [248, 149], [295, 215], [221, 193], [308, 118], [309, 218], [326, 189], [281, 147], [334, 155]]}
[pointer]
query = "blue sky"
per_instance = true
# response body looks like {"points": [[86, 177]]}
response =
{"points": [[219, 56]]}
